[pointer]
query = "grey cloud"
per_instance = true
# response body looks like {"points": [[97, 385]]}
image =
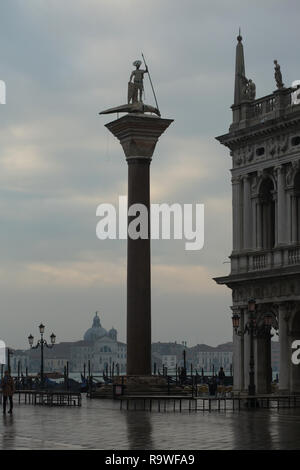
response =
{"points": [[65, 61]]}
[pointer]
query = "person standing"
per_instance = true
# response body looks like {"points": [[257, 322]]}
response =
{"points": [[8, 389], [221, 376]]}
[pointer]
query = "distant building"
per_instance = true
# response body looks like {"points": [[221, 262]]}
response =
{"points": [[169, 361], [99, 346], [199, 356], [18, 358], [213, 360]]}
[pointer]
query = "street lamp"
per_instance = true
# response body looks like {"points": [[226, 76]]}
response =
{"points": [[41, 343], [254, 330], [9, 354]]}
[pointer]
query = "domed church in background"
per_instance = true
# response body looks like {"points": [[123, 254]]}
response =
{"points": [[96, 331], [100, 347]]}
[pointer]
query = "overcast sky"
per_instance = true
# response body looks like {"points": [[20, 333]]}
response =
{"points": [[63, 62]]}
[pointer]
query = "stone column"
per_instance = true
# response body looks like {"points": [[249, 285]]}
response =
{"points": [[138, 135], [281, 208], [246, 352], [294, 219], [247, 232], [285, 353], [263, 364], [259, 225], [238, 354], [294, 335], [288, 217], [236, 213], [254, 223]]}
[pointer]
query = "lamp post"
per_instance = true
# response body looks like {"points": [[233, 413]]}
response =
{"points": [[184, 361], [254, 330], [9, 354], [42, 343]]}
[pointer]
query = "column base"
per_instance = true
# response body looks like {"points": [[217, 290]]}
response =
{"points": [[143, 384]]}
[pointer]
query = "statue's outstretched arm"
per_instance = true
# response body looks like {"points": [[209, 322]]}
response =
{"points": [[131, 76]]}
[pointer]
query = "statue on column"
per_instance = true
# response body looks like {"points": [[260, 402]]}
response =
{"points": [[135, 94], [136, 88], [278, 75]]}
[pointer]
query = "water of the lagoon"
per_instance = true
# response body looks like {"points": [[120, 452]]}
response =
{"points": [[100, 424]]}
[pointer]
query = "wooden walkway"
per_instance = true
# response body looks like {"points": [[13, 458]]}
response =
{"points": [[48, 398], [206, 403]]}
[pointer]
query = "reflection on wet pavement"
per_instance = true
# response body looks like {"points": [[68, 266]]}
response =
{"points": [[99, 424]]}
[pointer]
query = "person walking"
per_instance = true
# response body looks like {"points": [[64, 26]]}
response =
{"points": [[8, 389]]}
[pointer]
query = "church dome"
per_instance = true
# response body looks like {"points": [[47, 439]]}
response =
{"points": [[96, 331]]}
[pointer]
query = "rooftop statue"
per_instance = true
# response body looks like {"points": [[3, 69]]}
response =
{"points": [[135, 94], [278, 75], [248, 88]]}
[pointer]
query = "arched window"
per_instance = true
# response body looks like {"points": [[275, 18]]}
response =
{"points": [[267, 214]]}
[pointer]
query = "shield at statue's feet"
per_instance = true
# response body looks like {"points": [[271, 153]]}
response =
{"points": [[131, 91]]}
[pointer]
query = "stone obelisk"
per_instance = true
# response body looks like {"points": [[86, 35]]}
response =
{"points": [[138, 134]]}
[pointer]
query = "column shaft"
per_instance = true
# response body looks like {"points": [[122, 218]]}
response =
{"points": [[246, 353], [281, 209], [259, 225], [139, 276], [238, 356], [263, 364], [236, 214], [254, 224], [294, 219], [284, 340], [247, 232], [288, 217]]}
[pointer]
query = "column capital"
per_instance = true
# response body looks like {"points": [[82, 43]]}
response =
{"points": [[236, 179], [138, 134], [236, 309], [279, 169], [246, 177]]}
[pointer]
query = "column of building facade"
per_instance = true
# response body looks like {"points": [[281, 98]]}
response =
{"points": [[254, 202], [262, 360], [294, 335], [284, 340], [238, 353], [246, 352], [288, 216], [236, 213], [259, 243], [247, 229], [294, 218], [281, 207]]}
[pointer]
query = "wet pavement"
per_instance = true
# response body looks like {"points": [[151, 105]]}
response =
{"points": [[99, 424]]}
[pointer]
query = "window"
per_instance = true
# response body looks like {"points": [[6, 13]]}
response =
{"points": [[260, 151], [295, 141]]}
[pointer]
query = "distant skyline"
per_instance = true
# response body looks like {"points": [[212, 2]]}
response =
{"points": [[62, 63]]}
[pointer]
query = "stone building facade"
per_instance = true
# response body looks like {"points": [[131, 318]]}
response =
{"points": [[264, 143]]}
